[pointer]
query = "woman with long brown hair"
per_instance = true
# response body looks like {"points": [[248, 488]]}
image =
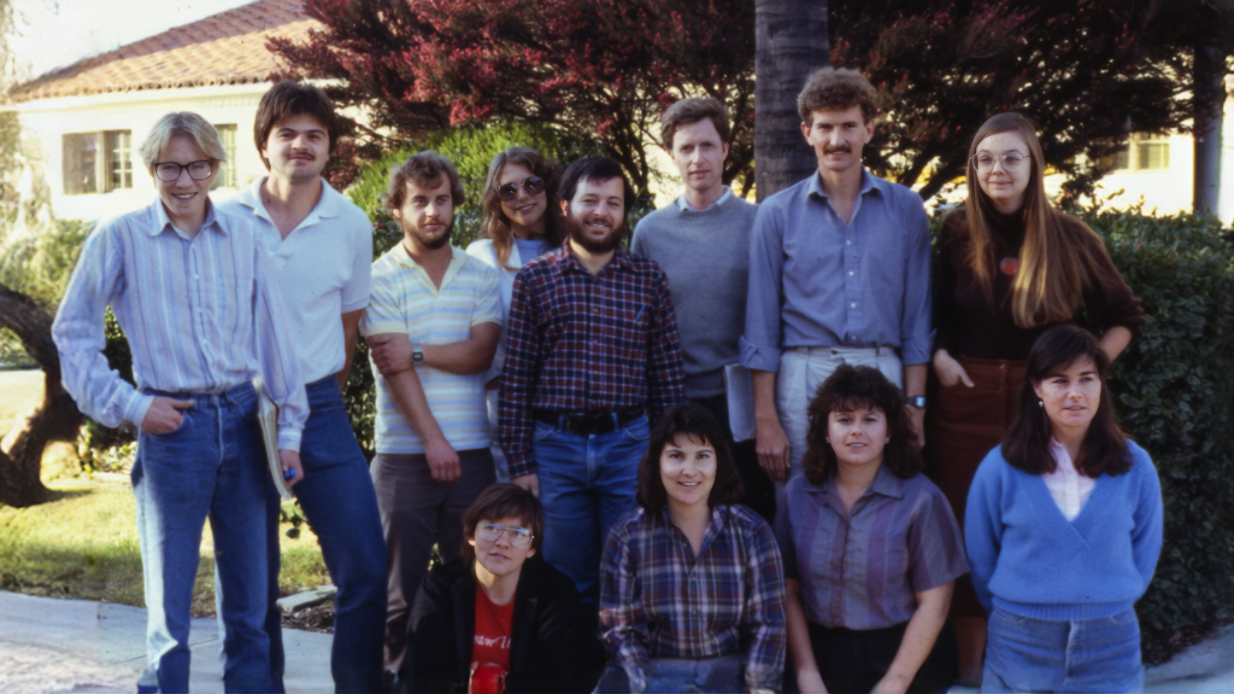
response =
{"points": [[1011, 266], [520, 225]]}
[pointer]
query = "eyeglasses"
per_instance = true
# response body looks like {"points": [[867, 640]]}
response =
{"points": [[490, 532], [534, 185], [1011, 161], [169, 170]]}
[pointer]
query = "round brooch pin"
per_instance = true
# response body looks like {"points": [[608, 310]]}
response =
{"points": [[1009, 265]]}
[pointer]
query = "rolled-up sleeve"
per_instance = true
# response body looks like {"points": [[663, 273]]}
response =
{"points": [[760, 344], [80, 338], [916, 331]]}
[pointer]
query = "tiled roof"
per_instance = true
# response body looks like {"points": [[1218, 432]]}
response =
{"points": [[226, 48]]}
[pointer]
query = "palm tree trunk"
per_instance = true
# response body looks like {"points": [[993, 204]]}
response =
{"points": [[791, 42]]}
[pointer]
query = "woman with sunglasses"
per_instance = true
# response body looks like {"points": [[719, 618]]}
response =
{"points": [[519, 226], [498, 619], [1064, 530], [1011, 266]]}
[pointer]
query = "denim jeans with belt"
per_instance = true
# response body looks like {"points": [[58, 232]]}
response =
{"points": [[337, 498], [212, 465], [1089, 655], [587, 483]]}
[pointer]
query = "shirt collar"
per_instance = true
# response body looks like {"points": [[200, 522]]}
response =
{"points": [[327, 207], [885, 483], [1061, 457], [457, 258], [164, 220], [869, 182], [620, 259], [687, 207]]}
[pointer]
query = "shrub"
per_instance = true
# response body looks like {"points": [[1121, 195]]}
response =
{"points": [[1175, 394], [471, 150]]}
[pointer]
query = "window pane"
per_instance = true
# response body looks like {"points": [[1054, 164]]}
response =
{"points": [[81, 163], [226, 177], [119, 159]]}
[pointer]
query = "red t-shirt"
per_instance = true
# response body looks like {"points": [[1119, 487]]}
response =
{"points": [[490, 651]]}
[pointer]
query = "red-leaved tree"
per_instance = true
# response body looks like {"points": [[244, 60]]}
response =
{"points": [[599, 68], [1085, 71]]}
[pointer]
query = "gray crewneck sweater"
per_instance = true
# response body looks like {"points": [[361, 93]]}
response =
{"points": [[707, 258]]}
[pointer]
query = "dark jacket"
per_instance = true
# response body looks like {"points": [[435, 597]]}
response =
{"points": [[549, 649]]}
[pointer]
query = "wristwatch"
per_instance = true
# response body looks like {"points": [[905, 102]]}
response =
{"points": [[417, 355], [917, 401]]}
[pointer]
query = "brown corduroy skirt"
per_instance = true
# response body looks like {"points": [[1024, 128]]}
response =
{"points": [[962, 427]]}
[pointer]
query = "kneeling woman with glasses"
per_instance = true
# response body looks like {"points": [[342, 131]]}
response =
{"points": [[691, 585], [871, 548], [1064, 529], [499, 619]]}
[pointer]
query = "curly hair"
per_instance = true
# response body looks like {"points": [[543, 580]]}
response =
{"points": [[426, 169], [836, 89], [697, 423], [850, 388]]}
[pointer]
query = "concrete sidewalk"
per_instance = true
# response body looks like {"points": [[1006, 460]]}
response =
{"points": [[53, 645]]}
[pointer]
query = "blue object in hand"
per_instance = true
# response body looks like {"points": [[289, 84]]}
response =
{"points": [[289, 473]]}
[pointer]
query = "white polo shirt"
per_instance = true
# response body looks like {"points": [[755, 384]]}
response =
{"points": [[405, 300], [322, 269]]}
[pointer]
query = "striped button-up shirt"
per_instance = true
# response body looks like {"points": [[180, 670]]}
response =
{"points": [[863, 570], [199, 312], [659, 600], [580, 343]]}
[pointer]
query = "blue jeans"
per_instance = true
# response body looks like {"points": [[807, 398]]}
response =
{"points": [[673, 675], [337, 498], [212, 465], [587, 483], [1090, 655]]}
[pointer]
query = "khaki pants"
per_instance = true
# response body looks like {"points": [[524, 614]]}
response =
{"points": [[803, 370]]}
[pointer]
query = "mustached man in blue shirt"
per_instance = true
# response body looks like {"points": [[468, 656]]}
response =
{"points": [[839, 273]]}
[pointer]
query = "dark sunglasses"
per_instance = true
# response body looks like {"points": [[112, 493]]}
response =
{"points": [[534, 185]]}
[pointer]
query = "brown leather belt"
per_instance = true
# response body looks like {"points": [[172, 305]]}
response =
{"points": [[590, 423]]}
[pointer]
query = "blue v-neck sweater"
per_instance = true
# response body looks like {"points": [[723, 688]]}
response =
{"points": [[1029, 560]]}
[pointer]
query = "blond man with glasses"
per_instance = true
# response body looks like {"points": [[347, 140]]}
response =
{"points": [[188, 285]]}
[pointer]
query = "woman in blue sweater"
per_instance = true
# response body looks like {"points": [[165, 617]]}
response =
{"points": [[1063, 529]]}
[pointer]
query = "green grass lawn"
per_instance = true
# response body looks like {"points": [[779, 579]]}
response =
{"points": [[84, 545]]}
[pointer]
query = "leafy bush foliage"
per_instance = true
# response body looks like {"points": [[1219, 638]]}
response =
{"points": [[1176, 396], [471, 150]]}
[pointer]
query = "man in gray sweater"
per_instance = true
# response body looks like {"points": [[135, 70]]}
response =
{"points": [[702, 241]]}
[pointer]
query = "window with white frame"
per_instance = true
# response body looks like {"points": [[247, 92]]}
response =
{"points": [[1145, 152], [226, 177], [97, 162]]}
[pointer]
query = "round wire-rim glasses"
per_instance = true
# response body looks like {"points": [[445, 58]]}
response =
{"points": [[491, 532], [1011, 161], [534, 185], [199, 170]]}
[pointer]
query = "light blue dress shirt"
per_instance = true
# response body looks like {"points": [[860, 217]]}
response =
{"points": [[818, 282]]}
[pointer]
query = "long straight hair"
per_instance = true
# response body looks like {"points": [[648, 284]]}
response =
{"points": [[497, 224], [1027, 444], [1052, 275]]}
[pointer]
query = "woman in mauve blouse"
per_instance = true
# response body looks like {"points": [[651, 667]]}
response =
{"points": [[1010, 267], [871, 548]]}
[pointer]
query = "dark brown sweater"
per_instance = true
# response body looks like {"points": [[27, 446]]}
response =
{"points": [[967, 323]]}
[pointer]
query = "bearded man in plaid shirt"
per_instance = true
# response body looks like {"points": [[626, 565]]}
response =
{"points": [[592, 355]]}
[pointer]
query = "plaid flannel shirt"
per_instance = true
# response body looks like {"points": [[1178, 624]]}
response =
{"points": [[658, 600], [579, 343]]}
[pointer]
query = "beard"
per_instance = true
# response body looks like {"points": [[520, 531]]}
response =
{"points": [[578, 234], [427, 241]]}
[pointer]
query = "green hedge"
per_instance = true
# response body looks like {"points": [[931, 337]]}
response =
{"points": [[1175, 394]]}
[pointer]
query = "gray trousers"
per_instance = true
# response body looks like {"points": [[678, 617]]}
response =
{"points": [[416, 513]]}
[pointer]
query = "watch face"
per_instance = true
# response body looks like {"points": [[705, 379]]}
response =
{"points": [[917, 401]]}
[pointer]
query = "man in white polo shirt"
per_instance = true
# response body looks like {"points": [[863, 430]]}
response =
{"points": [[320, 249], [433, 456]]}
